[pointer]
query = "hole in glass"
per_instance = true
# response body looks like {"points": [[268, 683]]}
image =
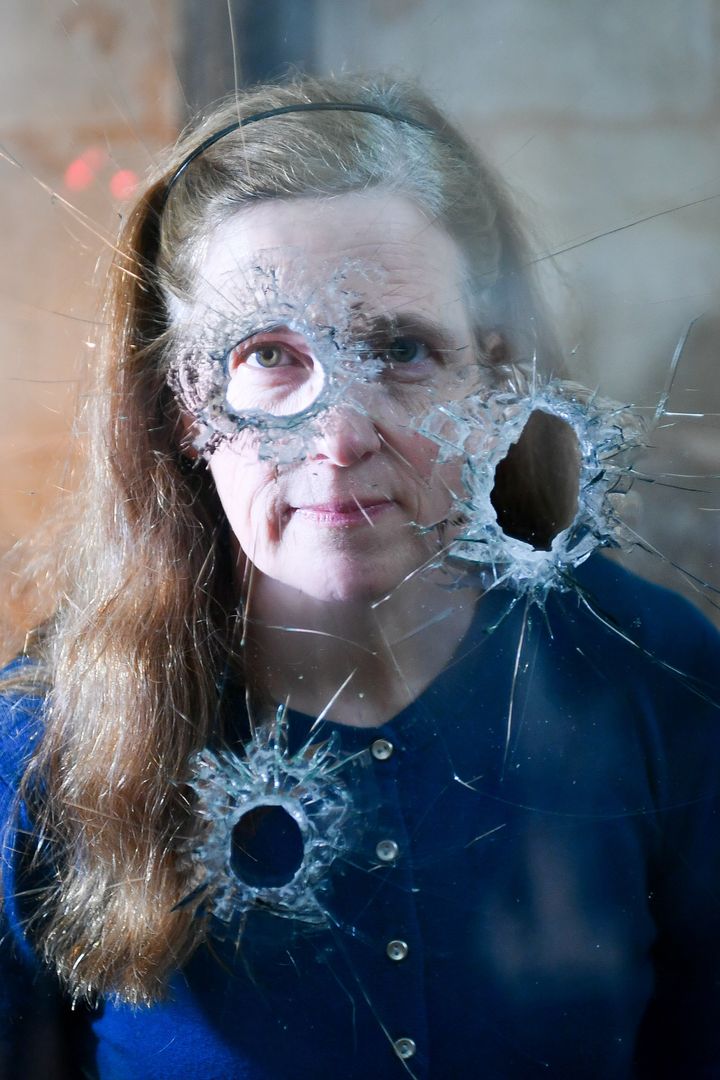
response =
{"points": [[267, 847], [537, 483], [275, 382]]}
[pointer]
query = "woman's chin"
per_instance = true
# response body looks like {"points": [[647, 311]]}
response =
{"points": [[356, 574], [369, 582], [349, 590], [354, 583]]}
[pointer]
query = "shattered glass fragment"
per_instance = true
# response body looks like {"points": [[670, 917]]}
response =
{"points": [[217, 351], [545, 476], [291, 339], [268, 824], [547, 465]]}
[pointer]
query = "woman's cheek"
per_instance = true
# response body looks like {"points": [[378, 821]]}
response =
{"points": [[240, 481], [437, 482]]}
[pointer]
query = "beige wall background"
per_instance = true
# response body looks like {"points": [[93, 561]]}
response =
{"points": [[74, 77], [599, 115]]}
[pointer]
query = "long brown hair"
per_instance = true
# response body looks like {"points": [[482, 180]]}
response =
{"points": [[131, 662]]}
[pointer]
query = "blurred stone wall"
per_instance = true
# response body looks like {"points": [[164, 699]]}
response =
{"points": [[87, 96]]}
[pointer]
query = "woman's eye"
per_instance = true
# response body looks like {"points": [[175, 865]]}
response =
{"points": [[269, 356], [263, 357], [405, 350]]}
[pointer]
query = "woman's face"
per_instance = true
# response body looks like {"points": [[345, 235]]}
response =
{"points": [[366, 501]]}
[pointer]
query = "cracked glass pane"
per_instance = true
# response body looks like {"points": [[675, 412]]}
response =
{"points": [[358, 741]]}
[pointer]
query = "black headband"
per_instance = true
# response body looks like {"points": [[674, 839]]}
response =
{"points": [[308, 106]]}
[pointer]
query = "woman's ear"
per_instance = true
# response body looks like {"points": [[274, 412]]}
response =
{"points": [[495, 348]]}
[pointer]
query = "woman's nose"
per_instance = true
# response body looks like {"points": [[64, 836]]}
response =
{"points": [[348, 435]]}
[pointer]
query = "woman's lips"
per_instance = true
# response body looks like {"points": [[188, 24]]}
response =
{"points": [[345, 513]]}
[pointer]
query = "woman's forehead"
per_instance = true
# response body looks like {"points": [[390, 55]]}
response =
{"points": [[386, 252]]}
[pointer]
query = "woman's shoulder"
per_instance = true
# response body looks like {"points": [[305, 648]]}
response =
{"points": [[644, 664], [654, 626], [21, 708], [22, 700]]}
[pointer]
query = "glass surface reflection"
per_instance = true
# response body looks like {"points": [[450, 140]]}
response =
{"points": [[346, 741]]}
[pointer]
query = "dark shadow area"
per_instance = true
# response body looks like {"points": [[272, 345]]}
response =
{"points": [[535, 496], [267, 847]]}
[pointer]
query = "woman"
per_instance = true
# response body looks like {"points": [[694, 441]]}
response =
{"points": [[298, 794]]}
